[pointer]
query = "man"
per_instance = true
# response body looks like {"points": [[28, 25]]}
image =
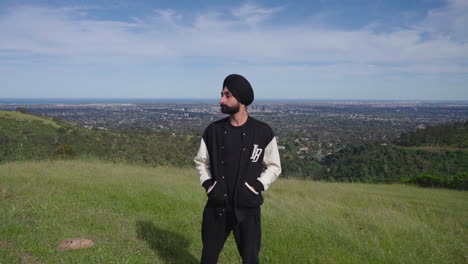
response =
{"points": [[237, 160]]}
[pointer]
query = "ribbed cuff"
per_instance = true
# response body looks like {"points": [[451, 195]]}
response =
{"points": [[258, 186], [206, 184]]}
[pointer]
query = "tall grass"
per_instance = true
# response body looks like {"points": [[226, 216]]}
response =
{"points": [[153, 215]]}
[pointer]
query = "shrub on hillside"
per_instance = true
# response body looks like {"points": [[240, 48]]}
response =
{"points": [[22, 110], [460, 181], [426, 180], [65, 151]]}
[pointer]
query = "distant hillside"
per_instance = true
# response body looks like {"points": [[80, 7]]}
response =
{"points": [[390, 164], [24, 137], [454, 135], [136, 214], [437, 156], [20, 116]]}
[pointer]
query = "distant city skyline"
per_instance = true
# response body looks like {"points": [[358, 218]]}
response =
{"points": [[317, 50]]}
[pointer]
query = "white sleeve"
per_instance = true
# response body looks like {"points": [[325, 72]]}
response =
{"points": [[271, 160], [202, 162]]}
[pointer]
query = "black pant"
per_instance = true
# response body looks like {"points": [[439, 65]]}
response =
{"points": [[216, 228]]}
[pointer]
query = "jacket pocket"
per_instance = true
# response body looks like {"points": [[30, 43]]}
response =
{"points": [[216, 194], [251, 188], [247, 196], [212, 187]]}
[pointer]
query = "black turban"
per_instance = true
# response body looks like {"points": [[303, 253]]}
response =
{"points": [[240, 88]]}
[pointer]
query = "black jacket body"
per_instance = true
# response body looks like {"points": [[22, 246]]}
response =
{"points": [[259, 165]]}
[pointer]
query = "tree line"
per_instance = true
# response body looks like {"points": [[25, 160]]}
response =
{"points": [[454, 135]]}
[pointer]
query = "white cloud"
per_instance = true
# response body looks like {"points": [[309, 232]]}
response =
{"points": [[69, 32], [450, 21], [253, 14], [243, 37]]}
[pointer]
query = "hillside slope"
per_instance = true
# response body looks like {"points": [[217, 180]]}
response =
{"points": [[454, 135], [28, 117], [389, 164], [153, 215], [30, 137]]}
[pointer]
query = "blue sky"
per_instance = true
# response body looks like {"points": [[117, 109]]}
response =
{"points": [[324, 49]]}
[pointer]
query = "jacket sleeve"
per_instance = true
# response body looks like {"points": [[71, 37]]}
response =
{"points": [[271, 161], [202, 163]]}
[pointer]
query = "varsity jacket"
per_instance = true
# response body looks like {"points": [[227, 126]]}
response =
{"points": [[259, 164]]}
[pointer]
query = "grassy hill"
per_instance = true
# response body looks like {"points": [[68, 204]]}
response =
{"points": [[30, 137], [28, 117], [153, 215]]}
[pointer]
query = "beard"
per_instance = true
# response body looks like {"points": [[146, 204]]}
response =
{"points": [[230, 110]]}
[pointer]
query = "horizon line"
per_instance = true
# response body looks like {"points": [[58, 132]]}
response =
{"points": [[210, 99]]}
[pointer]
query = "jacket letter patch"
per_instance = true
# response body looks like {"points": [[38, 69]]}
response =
{"points": [[256, 153]]}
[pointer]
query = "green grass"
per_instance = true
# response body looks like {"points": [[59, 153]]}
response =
{"points": [[28, 117], [153, 215]]}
